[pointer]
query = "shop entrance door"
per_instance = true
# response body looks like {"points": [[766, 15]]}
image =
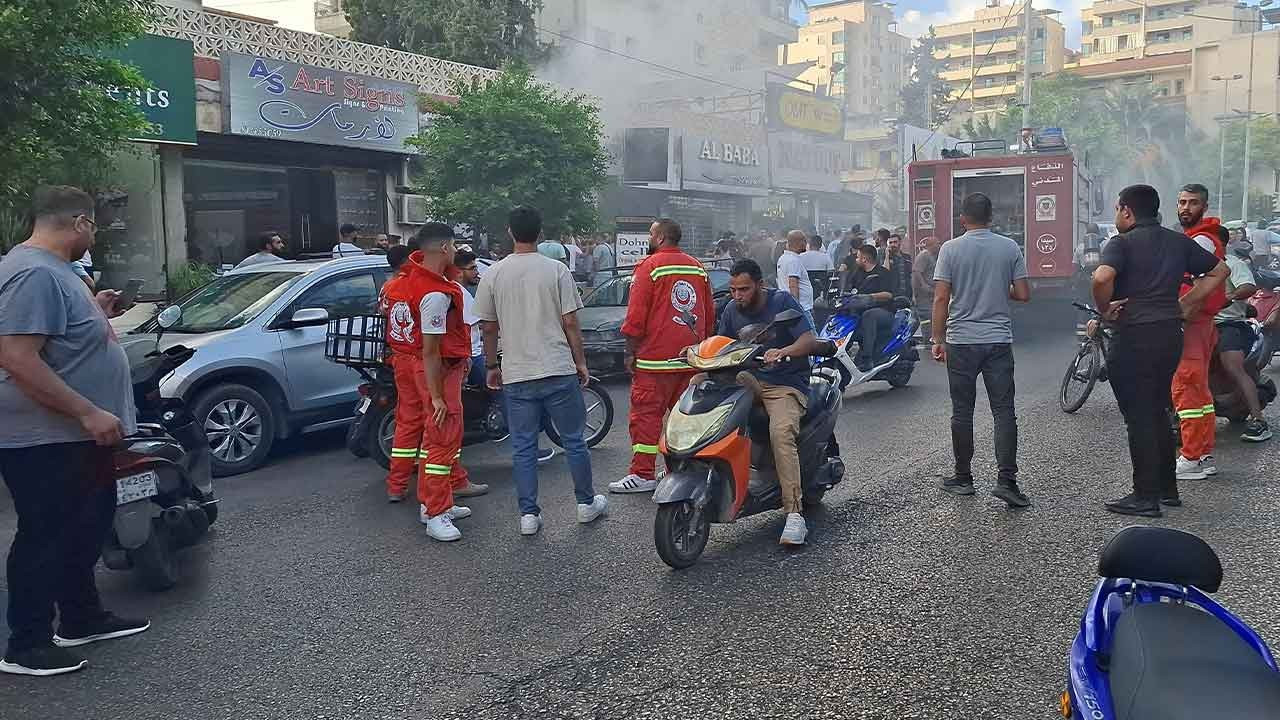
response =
{"points": [[314, 209]]}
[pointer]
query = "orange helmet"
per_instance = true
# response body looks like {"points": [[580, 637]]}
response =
{"points": [[712, 346]]}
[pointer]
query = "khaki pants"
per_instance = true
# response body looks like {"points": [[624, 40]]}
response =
{"points": [[785, 407]]}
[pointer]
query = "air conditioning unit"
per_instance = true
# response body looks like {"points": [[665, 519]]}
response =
{"points": [[412, 210]]}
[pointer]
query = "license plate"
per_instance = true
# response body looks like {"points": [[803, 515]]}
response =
{"points": [[136, 487], [363, 406]]}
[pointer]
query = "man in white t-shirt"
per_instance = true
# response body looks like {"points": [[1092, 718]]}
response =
{"points": [[347, 242], [532, 302], [793, 278], [816, 259], [575, 253]]}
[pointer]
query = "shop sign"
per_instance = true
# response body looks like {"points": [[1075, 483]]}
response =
{"points": [[800, 163], [733, 165], [631, 248], [281, 100], [924, 216], [169, 99], [789, 108]]}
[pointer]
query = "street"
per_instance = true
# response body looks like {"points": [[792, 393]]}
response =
{"points": [[313, 598]]}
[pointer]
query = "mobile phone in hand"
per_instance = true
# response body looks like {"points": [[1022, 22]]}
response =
{"points": [[128, 295]]}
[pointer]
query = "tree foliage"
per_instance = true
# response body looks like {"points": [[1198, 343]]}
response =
{"points": [[925, 85], [58, 123], [514, 141], [487, 33]]}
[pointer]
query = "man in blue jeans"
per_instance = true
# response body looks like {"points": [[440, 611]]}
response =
{"points": [[976, 276], [533, 302]]}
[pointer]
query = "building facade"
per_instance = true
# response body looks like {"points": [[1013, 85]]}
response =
{"points": [[984, 57], [1120, 30]]}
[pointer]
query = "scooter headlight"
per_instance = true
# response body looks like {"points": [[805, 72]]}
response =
{"points": [[685, 432]]}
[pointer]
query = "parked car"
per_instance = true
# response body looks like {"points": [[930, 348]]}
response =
{"points": [[259, 373], [606, 308]]}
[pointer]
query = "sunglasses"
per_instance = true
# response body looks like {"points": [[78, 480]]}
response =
{"points": [[89, 220]]}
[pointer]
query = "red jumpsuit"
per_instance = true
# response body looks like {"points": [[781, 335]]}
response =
{"points": [[665, 285], [1192, 397], [418, 440]]}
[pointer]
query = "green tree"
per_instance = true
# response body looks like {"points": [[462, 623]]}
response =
{"points": [[514, 141], [59, 125], [1264, 161], [926, 89], [487, 33]]}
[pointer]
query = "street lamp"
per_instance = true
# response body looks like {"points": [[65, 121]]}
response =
{"points": [[1248, 113], [1222, 133]]}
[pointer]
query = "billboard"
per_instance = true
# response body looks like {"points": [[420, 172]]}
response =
{"points": [[281, 100], [792, 109], [169, 100]]}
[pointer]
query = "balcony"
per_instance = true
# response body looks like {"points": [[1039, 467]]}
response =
{"points": [[953, 53], [957, 75], [1002, 69], [1169, 23], [991, 92]]}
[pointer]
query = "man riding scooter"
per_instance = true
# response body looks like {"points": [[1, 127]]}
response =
{"points": [[1235, 337], [873, 282], [782, 386]]}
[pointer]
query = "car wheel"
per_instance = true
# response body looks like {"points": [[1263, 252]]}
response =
{"points": [[240, 425]]}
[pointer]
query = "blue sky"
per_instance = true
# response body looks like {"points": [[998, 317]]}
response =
{"points": [[916, 16]]}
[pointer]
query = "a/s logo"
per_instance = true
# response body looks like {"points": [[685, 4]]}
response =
{"points": [[271, 78]]}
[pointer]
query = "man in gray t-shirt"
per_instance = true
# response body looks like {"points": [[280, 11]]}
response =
{"points": [[976, 276], [66, 399]]}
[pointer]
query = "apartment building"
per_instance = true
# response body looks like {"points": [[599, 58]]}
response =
{"points": [[331, 18], [1124, 29], [983, 57]]}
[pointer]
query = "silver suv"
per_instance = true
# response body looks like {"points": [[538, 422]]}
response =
{"points": [[259, 373]]}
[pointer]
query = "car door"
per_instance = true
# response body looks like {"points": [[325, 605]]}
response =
{"points": [[317, 385]]}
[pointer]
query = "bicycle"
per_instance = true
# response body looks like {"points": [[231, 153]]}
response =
{"points": [[1087, 367]]}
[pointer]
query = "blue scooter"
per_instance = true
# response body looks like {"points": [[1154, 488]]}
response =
{"points": [[893, 364], [1153, 646]]}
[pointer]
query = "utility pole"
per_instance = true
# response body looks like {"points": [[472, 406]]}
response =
{"points": [[1222, 132], [1026, 72], [1248, 114]]}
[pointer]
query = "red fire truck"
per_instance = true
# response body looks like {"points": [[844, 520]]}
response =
{"points": [[1041, 199]]}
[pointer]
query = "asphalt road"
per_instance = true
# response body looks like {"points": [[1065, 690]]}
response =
{"points": [[315, 599]]}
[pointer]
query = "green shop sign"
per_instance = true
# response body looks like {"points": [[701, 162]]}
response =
{"points": [[169, 100]]}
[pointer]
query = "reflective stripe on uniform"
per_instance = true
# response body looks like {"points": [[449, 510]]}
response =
{"points": [[645, 449], [437, 469], [404, 453], [677, 270], [1193, 413], [660, 365]]}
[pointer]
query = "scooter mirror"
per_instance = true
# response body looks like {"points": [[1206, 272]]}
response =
{"points": [[169, 317]]}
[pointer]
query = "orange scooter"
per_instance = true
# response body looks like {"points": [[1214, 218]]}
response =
{"points": [[718, 455]]}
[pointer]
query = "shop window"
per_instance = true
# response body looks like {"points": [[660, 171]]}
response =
{"points": [[359, 199], [130, 241], [229, 204]]}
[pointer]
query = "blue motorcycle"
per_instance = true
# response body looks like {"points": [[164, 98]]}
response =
{"points": [[897, 358], [1153, 646]]}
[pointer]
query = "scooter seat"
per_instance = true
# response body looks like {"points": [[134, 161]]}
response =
{"points": [[1175, 662]]}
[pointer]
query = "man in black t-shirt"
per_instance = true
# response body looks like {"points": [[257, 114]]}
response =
{"points": [[1136, 288], [872, 281]]}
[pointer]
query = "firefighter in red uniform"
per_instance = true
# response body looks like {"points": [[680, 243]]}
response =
{"points": [[668, 286], [1192, 397], [431, 354]]}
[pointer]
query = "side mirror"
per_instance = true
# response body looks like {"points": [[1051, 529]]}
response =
{"points": [[169, 317], [309, 317]]}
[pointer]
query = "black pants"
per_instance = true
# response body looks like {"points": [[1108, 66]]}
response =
{"points": [[995, 363], [65, 503], [1141, 361], [873, 325]]}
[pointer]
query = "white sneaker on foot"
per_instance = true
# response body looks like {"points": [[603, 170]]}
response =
{"points": [[632, 484], [1209, 465], [1188, 469], [441, 528], [457, 512], [530, 524], [795, 530], [598, 508]]}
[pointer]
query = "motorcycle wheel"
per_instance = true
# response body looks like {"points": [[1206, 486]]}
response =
{"points": [[900, 374], [155, 560], [355, 440], [599, 416], [1078, 383], [680, 545], [382, 432]]}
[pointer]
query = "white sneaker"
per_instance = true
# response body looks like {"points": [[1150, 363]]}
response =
{"points": [[633, 484], [1209, 465], [441, 528], [457, 512], [530, 524], [1190, 469], [598, 508], [795, 530]]}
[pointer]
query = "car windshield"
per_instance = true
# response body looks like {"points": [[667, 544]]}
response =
{"points": [[232, 300], [615, 291]]}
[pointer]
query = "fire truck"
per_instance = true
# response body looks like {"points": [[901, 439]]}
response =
{"points": [[1041, 198]]}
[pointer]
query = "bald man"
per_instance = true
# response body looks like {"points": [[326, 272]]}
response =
{"points": [[793, 278]]}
